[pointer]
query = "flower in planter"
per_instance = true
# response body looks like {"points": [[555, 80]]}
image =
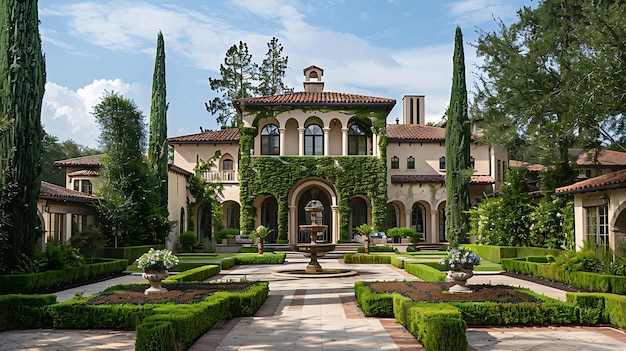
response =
{"points": [[157, 260], [460, 257]]}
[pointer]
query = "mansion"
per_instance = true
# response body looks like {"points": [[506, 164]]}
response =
{"points": [[289, 149]]}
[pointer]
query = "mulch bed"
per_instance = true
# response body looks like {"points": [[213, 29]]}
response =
{"points": [[438, 292], [176, 293]]}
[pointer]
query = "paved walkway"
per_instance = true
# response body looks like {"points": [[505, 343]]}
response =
{"points": [[319, 314]]}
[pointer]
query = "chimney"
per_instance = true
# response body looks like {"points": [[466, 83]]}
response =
{"points": [[413, 109], [313, 79]]}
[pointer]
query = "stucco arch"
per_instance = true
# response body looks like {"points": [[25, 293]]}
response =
{"points": [[617, 232], [297, 191]]}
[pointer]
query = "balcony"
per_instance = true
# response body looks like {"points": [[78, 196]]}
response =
{"points": [[221, 176]]}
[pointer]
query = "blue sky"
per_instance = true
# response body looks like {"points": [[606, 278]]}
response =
{"points": [[382, 48]]}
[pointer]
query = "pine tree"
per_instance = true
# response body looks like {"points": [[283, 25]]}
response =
{"points": [[272, 70], [457, 150], [238, 74], [22, 76], [157, 145]]}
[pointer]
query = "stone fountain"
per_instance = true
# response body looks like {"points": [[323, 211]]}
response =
{"points": [[313, 229]]}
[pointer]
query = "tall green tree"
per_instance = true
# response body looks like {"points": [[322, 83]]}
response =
{"points": [[22, 80], [238, 75], [128, 214], [157, 145], [554, 80], [458, 171], [272, 70]]}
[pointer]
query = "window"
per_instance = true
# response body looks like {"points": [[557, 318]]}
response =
{"points": [[79, 223], [227, 168], [472, 162], [418, 218], [442, 163], [270, 140], [499, 171], [410, 162], [357, 142], [314, 140], [181, 221], [597, 226], [395, 162], [83, 185]]}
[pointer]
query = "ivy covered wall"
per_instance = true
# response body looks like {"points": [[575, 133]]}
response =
{"points": [[349, 175]]}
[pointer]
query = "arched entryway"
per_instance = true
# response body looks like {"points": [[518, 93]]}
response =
{"points": [[299, 196], [359, 214], [314, 193], [393, 218], [419, 219], [204, 222]]}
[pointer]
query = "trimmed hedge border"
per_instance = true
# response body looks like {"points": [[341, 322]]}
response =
{"points": [[430, 324], [130, 253], [497, 253], [177, 324], [33, 282], [425, 272], [351, 258], [24, 311], [276, 258], [195, 275], [596, 282]]}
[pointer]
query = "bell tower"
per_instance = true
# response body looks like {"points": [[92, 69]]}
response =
{"points": [[313, 79]]}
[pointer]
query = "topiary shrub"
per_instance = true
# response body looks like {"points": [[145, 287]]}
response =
{"points": [[90, 242], [187, 241]]}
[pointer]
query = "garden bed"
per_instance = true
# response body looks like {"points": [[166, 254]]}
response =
{"points": [[176, 293], [438, 292]]}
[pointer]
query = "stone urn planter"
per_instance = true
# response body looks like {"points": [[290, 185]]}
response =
{"points": [[460, 275], [155, 278]]}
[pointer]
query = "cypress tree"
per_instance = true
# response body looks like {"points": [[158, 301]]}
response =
{"points": [[458, 170], [22, 79], [157, 145]]}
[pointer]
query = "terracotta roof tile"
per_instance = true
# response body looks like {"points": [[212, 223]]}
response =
{"points": [[535, 167], [84, 173], [230, 135], [415, 133], [178, 170], [316, 99], [613, 180], [606, 158], [56, 192], [85, 161], [437, 178]]}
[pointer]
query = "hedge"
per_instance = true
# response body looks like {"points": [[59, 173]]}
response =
{"points": [[24, 311], [278, 258], [371, 303], [195, 275], [130, 253], [397, 261], [600, 308], [351, 258], [33, 282], [497, 253], [383, 248], [425, 272], [254, 249], [156, 323], [584, 280]]}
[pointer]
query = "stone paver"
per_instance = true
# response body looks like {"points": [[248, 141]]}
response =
{"points": [[319, 314]]}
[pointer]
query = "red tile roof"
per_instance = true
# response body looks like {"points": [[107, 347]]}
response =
{"points": [[437, 178], [535, 167], [605, 158], [415, 133], [85, 161], [56, 192], [316, 99], [230, 135], [613, 180], [84, 173]]}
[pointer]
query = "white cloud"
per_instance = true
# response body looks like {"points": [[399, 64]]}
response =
{"points": [[474, 12], [67, 114]]}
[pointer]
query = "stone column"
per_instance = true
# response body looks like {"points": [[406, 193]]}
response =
{"points": [[335, 223], [282, 141], [344, 141], [326, 140], [301, 141]]}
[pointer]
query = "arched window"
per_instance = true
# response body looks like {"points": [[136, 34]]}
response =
{"points": [[442, 162], [393, 216], [313, 140], [227, 170], [357, 141], [270, 140], [410, 162], [418, 218], [395, 162], [181, 224]]}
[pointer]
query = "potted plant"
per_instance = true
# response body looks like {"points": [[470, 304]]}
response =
{"points": [[365, 230], [259, 234], [155, 264], [461, 262]]}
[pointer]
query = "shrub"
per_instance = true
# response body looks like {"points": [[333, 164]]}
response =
{"points": [[251, 249], [445, 334], [89, 242], [278, 258], [225, 234], [60, 257], [384, 248], [373, 304], [196, 274], [428, 274], [20, 311], [188, 240], [351, 258]]}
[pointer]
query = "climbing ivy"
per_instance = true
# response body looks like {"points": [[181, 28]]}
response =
{"points": [[348, 175]]}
